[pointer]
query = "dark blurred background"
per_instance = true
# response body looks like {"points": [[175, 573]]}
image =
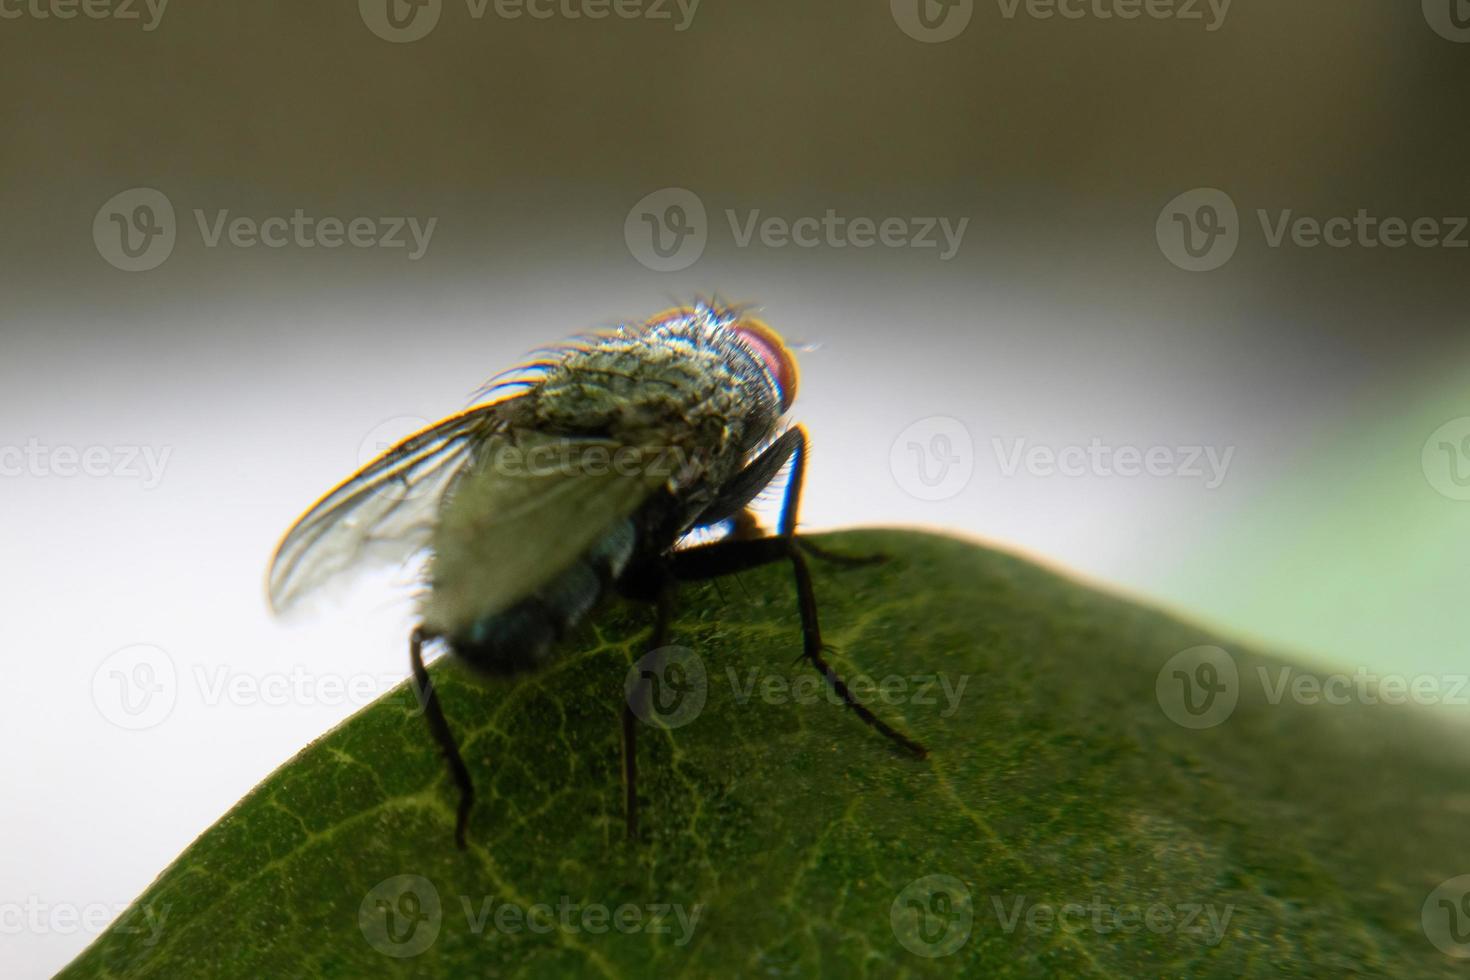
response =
{"points": [[1068, 310]]}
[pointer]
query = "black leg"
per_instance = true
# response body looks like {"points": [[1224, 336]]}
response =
{"points": [[730, 556], [439, 728], [664, 612], [630, 768], [753, 478]]}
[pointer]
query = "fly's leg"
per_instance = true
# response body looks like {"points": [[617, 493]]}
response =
{"points": [[745, 526], [733, 502], [664, 612], [439, 728], [731, 556]]}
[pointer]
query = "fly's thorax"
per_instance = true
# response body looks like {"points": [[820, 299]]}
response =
{"points": [[692, 404]]}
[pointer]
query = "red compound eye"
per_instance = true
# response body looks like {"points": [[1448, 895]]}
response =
{"points": [[769, 346]]}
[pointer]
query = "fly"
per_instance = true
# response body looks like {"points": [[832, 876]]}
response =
{"points": [[581, 478]]}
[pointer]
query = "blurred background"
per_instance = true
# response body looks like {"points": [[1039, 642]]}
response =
{"points": [[1174, 302]]}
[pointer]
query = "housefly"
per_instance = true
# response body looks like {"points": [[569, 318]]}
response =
{"points": [[585, 475]]}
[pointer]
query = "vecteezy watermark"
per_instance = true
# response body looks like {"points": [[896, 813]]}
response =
{"points": [[1208, 464], [38, 460], [147, 12], [405, 21], [932, 21], [1445, 459], [1210, 13], [1198, 687], [589, 458], [672, 919], [136, 687], [667, 687], [221, 684], [383, 437], [935, 21], [932, 916], [402, 916], [933, 459], [667, 231], [809, 687], [1200, 230], [1445, 917], [833, 230], [1363, 687], [1450, 19], [38, 918], [387, 434], [1204, 921], [136, 230], [139, 686]]}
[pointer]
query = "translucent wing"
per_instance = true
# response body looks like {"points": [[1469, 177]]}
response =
{"points": [[383, 513], [531, 506]]}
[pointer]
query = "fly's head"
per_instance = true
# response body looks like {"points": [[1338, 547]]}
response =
{"points": [[779, 362]]}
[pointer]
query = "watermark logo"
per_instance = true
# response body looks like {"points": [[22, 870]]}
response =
{"points": [[405, 21], [940, 690], [136, 687], [139, 686], [837, 231], [666, 231], [1446, 917], [1450, 19], [1198, 687], [932, 916], [932, 21], [566, 916], [1363, 687], [122, 10], [1204, 922], [135, 230], [1211, 13], [387, 434], [401, 916], [38, 917], [309, 231], [1445, 459], [933, 459], [1208, 464], [38, 460], [667, 687], [649, 10], [383, 437], [400, 21], [1199, 230]]}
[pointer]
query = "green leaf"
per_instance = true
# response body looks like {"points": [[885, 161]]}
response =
{"points": [[1059, 801]]}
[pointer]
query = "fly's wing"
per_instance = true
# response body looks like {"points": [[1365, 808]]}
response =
{"points": [[529, 508], [383, 513]]}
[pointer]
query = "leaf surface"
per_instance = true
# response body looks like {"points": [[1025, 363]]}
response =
{"points": [[1063, 825]]}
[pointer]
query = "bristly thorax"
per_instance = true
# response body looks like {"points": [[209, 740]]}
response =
{"points": [[686, 381]]}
